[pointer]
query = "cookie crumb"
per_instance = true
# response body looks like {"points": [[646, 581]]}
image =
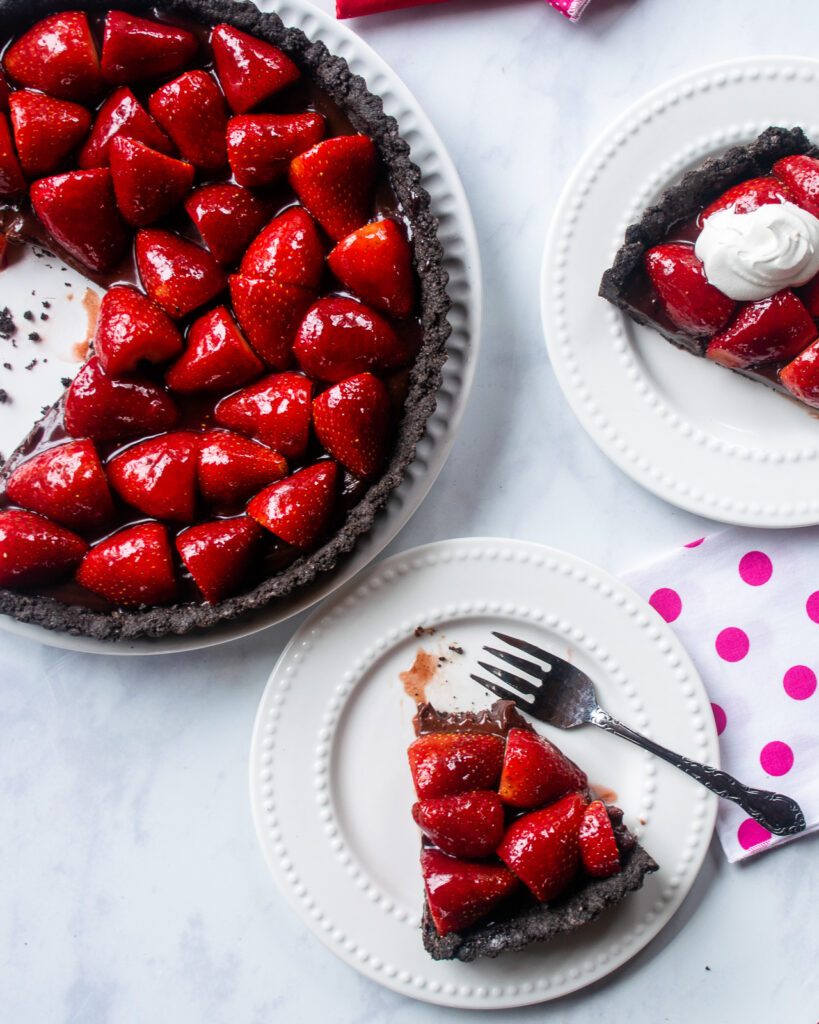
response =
{"points": [[44, 316], [7, 324], [456, 648], [7, 366], [28, 315], [424, 631], [32, 364], [34, 336], [4, 396], [65, 381]]}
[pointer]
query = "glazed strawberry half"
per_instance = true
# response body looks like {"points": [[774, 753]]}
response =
{"points": [[57, 56], [447, 763], [179, 275], [750, 195], [158, 476], [289, 250], [298, 509], [135, 48], [232, 468], [216, 359], [106, 409], [121, 115], [228, 217], [335, 180], [191, 109], [276, 411], [799, 176], [132, 567], [65, 483], [460, 893], [12, 182], [691, 303], [464, 825], [261, 146], [46, 130], [220, 554], [147, 184], [249, 69], [132, 329], [771, 329], [269, 312], [535, 771], [598, 844], [35, 551], [375, 262], [352, 421], [801, 376]]}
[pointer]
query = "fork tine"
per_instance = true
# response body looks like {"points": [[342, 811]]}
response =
{"points": [[523, 645], [499, 691], [512, 681], [522, 663]]}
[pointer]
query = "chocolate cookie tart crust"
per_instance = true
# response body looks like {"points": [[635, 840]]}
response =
{"points": [[365, 112], [682, 202], [526, 921]]}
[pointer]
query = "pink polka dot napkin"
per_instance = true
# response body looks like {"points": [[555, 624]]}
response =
{"points": [[571, 9], [745, 604]]}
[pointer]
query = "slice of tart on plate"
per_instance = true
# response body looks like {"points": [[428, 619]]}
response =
{"points": [[516, 848], [726, 263], [270, 344]]}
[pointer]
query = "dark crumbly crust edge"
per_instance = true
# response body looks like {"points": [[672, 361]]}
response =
{"points": [[366, 113], [682, 201], [542, 921]]}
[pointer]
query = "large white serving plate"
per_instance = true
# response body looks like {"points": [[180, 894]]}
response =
{"points": [[331, 791], [64, 332], [696, 435]]}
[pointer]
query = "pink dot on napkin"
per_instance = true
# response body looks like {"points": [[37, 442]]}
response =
{"points": [[755, 568], [812, 606], [695, 543], [732, 644], [799, 682], [720, 718], [776, 758], [666, 602], [751, 833]]}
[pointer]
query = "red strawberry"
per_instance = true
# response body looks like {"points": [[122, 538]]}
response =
{"points": [[12, 181], [801, 376], [340, 337], [217, 357], [775, 328], [352, 420], [276, 411], [375, 262], [4, 93], [158, 476], [34, 551], [750, 195], [232, 468], [535, 771], [220, 554], [261, 146], [446, 763], [693, 305], [298, 508], [66, 484], [45, 130], [121, 114], [463, 825], [801, 175], [80, 212], [461, 893], [250, 70], [228, 218], [809, 294], [147, 184], [4, 244], [192, 111], [136, 48], [269, 313], [335, 180], [57, 56], [99, 407], [542, 848], [133, 566], [131, 328], [289, 250], [598, 846], [178, 275]]}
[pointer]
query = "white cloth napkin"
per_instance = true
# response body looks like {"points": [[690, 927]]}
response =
{"points": [[745, 604]]}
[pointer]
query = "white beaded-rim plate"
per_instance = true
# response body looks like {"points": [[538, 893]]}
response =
{"points": [[331, 791], [54, 358], [698, 436]]}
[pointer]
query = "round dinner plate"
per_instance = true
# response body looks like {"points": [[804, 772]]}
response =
{"points": [[701, 438], [63, 290], [331, 791]]}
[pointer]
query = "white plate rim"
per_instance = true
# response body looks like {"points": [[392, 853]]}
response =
{"points": [[462, 261], [278, 856], [631, 448]]}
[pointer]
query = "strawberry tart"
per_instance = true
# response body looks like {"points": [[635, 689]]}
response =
{"points": [[515, 847], [726, 263], [270, 343]]}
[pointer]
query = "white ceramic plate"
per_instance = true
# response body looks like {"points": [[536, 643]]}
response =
{"points": [[67, 327], [704, 439], [334, 717]]}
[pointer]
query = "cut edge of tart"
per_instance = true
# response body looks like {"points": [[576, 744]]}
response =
{"points": [[674, 221], [516, 919], [364, 111]]}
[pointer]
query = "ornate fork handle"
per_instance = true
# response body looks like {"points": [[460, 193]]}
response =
{"points": [[775, 811]]}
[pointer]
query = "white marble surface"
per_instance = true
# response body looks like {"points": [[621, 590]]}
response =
{"points": [[132, 887]]}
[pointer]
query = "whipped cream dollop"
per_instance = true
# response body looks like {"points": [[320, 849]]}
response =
{"points": [[750, 256]]}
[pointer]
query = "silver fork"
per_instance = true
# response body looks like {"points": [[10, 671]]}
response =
{"points": [[563, 696]]}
